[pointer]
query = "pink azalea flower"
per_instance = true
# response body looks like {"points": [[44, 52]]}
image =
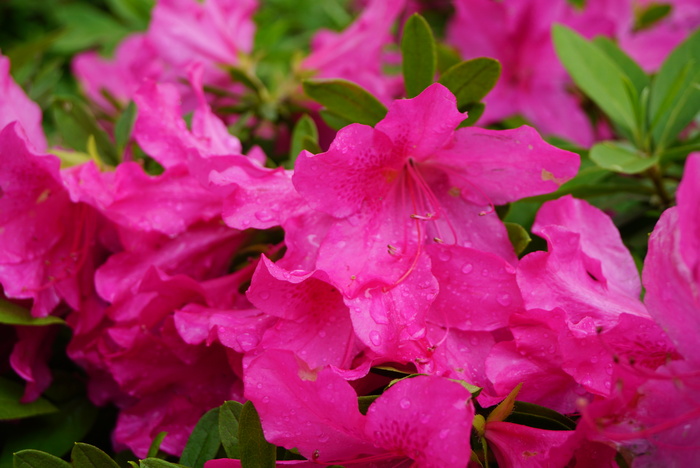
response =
{"points": [[583, 317], [357, 53], [650, 47], [135, 59], [411, 182], [533, 82], [46, 241], [16, 106], [423, 419]]}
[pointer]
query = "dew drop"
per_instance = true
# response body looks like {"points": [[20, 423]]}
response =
{"points": [[467, 268], [444, 255], [323, 438], [375, 338], [484, 272], [443, 434], [266, 399], [322, 334], [504, 300], [405, 403], [263, 215], [264, 295]]}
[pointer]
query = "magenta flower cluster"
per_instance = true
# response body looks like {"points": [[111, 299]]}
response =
{"points": [[390, 253]]}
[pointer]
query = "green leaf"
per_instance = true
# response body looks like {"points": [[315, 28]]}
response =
{"points": [[11, 408], [229, 416], [304, 137], [333, 120], [37, 459], [627, 65], [204, 441], [77, 124], [12, 314], [346, 99], [447, 57], [504, 408], [651, 15], [87, 26], [363, 402], [155, 445], [532, 415], [89, 456], [158, 463], [471, 80], [675, 92], [518, 236], [54, 433], [124, 126], [137, 13], [419, 55], [618, 157], [597, 75], [256, 452], [474, 112]]}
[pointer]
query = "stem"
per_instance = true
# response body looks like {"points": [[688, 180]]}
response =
{"points": [[654, 174]]}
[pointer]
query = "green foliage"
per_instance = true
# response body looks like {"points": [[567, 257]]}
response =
{"points": [[204, 442], [12, 408], [304, 137], [229, 416], [346, 100], [620, 157], [419, 55], [518, 236], [12, 314], [470, 81], [89, 456], [256, 452], [36, 459]]}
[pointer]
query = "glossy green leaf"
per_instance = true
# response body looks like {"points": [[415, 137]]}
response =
{"points": [[37, 459], [346, 99], [419, 55], [11, 408], [124, 126], [204, 442], [89, 456], [12, 314], [363, 402], [77, 124], [54, 433], [540, 417], [471, 80], [518, 236], [474, 112], [650, 15], [597, 75], [155, 444], [333, 120], [618, 157], [627, 65], [675, 92], [229, 416], [256, 452], [447, 57], [304, 137], [158, 463]]}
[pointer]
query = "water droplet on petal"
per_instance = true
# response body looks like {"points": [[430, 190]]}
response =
{"points": [[405, 403], [375, 338], [323, 438], [444, 255], [264, 295], [444, 433], [484, 272], [266, 399], [467, 268], [263, 215], [504, 300], [322, 334]]}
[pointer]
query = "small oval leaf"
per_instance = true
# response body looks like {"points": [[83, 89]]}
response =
{"points": [[471, 80], [37, 459], [256, 452], [89, 456], [419, 55], [346, 99], [616, 157], [204, 442]]}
